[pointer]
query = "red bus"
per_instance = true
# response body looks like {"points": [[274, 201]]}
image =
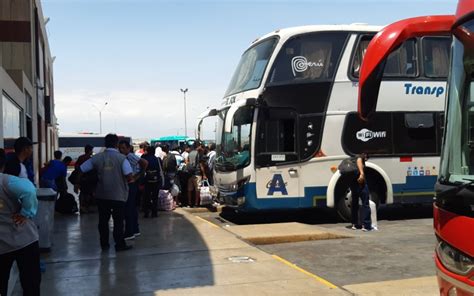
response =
{"points": [[454, 202]]}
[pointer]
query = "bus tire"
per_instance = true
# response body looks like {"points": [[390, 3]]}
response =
{"points": [[344, 201], [343, 205]]}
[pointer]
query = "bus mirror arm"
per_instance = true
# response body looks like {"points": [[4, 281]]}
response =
{"points": [[201, 117], [229, 118]]}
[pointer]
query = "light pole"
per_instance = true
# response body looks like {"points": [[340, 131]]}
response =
{"points": [[100, 114], [184, 91]]}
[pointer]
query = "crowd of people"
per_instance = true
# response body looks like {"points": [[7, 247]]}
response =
{"points": [[119, 181], [124, 183]]}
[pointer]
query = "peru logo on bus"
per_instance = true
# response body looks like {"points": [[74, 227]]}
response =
{"points": [[365, 135], [300, 64]]}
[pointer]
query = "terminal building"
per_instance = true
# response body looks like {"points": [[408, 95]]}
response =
{"points": [[26, 79]]}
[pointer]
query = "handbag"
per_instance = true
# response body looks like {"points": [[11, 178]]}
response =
{"points": [[205, 194], [348, 167]]}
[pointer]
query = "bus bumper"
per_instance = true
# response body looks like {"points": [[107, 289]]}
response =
{"points": [[451, 284]]}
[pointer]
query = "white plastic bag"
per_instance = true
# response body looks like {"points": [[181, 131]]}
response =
{"points": [[165, 201], [174, 190], [205, 194]]}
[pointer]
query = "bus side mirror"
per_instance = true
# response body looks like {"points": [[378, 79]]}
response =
{"points": [[229, 118], [205, 114]]}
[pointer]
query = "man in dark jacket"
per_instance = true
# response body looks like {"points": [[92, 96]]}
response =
{"points": [[154, 180], [88, 181], [15, 163]]}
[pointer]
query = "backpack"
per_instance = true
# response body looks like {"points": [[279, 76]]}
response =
{"points": [[348, 167], [66, 204], [169, 163], [193, 166]]}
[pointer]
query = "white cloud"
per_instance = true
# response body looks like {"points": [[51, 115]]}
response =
{"points": [[136, 113]]}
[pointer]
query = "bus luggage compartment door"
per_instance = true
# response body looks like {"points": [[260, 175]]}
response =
{"points": [[281, 183]]}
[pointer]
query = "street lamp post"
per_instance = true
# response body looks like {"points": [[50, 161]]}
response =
{"points": [[100, 115], [184, 91]]}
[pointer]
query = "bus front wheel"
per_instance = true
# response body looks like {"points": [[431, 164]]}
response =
{"points": [[343, 206]]}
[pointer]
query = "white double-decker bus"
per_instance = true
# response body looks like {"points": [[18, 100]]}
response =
{"points": [[289, 117]]}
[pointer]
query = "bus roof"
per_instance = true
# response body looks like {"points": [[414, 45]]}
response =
{"points": [[171, 138], [291, 31], [87, 135]]}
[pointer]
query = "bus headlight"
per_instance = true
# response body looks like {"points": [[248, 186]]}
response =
{"points": [[239, 184], [454, 260], [240, 200]]}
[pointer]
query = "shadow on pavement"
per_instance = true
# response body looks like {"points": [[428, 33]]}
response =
{"points": [[169, 254], [324, 216]]}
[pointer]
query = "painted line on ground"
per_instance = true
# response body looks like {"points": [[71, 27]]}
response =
{"points": [[208, 222], [319, 279]]}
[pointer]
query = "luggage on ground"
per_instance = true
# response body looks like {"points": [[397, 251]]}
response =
{"points": [[165, 201], [205, 194], [66, 204]]}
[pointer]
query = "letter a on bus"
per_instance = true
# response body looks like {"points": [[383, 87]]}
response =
{"points": [[277, 184]]}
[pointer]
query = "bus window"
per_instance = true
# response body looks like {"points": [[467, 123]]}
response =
{"points": [[402, 62], [251, 68], [415, 133], [469, 148], [436, 56], [359, 54], [308, 58]]}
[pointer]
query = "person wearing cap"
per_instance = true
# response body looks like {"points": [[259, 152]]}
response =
{"points": [[15, 164], [18, 233]]}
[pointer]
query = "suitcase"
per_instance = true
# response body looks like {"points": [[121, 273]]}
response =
{"points": [[165, 201]]}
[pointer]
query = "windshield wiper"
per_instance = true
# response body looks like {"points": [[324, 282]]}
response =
{"points": [[454, 187], [226, 165]]}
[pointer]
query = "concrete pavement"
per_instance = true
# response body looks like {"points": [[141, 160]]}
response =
{"points": [[265, 234], [177, 253]]}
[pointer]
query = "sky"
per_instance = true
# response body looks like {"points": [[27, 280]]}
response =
{"points": [[136, 55]]}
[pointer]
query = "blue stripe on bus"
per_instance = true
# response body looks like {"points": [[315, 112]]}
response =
{"points": [[316, 196], [416, 184]]}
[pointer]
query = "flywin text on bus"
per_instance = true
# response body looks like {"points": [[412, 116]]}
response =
{"points": [[289, 116]]}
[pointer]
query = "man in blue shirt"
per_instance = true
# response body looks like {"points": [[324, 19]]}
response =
{"points": [[55, 169], [18, 233]]}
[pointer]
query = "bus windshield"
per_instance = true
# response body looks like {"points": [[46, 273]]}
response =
{"points": [[457, 163], [249, 72], [233, 149]]}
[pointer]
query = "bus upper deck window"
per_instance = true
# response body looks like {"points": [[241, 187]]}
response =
{"points": [[402, 62], [436, 56], [359, 54]]}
